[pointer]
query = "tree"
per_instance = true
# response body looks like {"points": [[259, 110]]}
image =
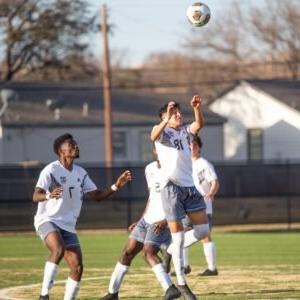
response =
{"points": [[279, 32], [223, 37], [43, 34]]}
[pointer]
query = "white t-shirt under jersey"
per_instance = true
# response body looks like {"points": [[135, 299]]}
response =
{"points": [[203, 174], [154, 211], [63, 211], [174, 154]]}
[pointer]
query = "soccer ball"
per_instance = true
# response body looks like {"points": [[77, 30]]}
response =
{"points": [[198, 14]]}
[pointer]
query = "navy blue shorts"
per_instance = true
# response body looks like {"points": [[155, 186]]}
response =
{"points": [[144, 233], [178, 201], [70, 239]]}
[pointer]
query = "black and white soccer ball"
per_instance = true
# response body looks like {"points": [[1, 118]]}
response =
{"points": [[198, 14]]}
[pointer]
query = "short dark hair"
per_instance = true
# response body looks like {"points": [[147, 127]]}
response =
{"points": [[165, 107], [60, 140], [198, 140]]}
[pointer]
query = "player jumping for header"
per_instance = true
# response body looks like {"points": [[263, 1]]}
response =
{"points": [[179, 195]]}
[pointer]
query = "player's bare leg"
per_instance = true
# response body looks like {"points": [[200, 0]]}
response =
{"points": [[55, 244], [73, 257], [150, 254], [131, 249]]}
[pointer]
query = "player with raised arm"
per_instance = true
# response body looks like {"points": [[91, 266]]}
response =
{"points": [[179, 195], [59, 193], [148, 234]]}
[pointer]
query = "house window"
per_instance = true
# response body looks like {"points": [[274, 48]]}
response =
{"points": [[255, 144], [119, 144], [145, 146]]}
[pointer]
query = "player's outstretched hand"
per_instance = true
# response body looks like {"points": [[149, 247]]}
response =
{"points": [[123, 179], [56, 192], [170, 109], [196, 101]]}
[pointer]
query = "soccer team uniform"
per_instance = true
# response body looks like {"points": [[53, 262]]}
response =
{"points": [[144, 231], [178, 192], [203, 174], [61, 214]]}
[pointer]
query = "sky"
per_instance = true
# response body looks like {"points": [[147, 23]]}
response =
{"points": [[142, 27]]}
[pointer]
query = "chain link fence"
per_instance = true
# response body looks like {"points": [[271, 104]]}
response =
{"points": [[258, 193]]}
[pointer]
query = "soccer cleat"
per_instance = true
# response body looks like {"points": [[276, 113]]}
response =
{"points": [[166, 260], [46, 297], [109, 296], [186, 292], [187, 270], [209, 272], [172, 293]]}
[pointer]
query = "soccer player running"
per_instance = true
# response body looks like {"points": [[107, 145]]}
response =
{"points": [[179, 195], [148, 235], [206, 182], [59, 193]]}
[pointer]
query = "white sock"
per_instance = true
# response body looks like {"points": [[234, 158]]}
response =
{"points": [[190, 238], [185, 257], [117, 277], [72, 289], [198, 233], [50, 272], [161, 275], [210, 255], [177, 256]]}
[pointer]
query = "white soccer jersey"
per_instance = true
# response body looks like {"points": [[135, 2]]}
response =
{"points": [[63, 211], [203, 174], [154, 211], [174, 153]]}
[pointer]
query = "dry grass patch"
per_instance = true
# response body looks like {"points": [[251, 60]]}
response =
{"points": [[254, 282]]}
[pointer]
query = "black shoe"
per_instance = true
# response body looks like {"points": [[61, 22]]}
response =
{"points": [[166, 260], [209, 272], [187, 270], [186, 292], [172, 293], [46, 297], [109, 296]]}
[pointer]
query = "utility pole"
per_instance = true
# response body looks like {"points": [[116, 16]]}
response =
{"points": [[106, 89]]}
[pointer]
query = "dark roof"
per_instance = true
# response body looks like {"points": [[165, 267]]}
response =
{"points": [[128, 107], [287, 91], [284, 90]]}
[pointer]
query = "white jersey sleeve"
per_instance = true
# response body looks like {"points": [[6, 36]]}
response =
{"points": [[45, 180], [87, 184]]}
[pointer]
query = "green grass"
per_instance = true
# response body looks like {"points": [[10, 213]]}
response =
{"points": [[251, 265]]}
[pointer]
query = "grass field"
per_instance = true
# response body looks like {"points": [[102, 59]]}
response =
{"points": [[251, 266]]}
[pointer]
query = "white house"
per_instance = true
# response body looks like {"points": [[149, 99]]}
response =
{"points": [[263, 120], [44, 111]]}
